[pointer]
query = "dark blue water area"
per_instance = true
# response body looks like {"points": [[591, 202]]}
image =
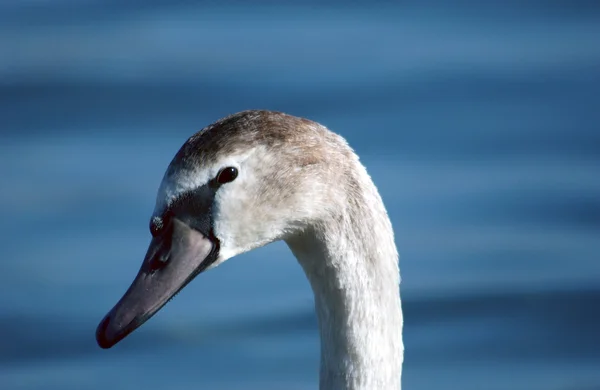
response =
{"points": [[480, 125]]}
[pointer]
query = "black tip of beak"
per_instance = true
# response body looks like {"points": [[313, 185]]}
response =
{"points": [[103, 342]]}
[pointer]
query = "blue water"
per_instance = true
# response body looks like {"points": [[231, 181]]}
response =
{"points": [[479, 124]]}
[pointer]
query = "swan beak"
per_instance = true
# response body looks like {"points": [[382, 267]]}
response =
{"points": [[174, 258]]}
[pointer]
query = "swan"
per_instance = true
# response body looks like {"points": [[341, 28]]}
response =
{"points": [[256, 177]]}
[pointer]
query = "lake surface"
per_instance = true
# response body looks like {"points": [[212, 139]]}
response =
{"points": [[479, 124]]}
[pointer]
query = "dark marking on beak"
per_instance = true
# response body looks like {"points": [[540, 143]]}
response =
{"points": [[175, 257]]}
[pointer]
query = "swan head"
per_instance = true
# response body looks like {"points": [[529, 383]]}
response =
{"points": [[245, 181]]}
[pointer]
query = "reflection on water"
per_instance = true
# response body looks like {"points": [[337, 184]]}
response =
{"points": [[479, 126]]}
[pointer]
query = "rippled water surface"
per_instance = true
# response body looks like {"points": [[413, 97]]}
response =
{"points": [[480, 126]]}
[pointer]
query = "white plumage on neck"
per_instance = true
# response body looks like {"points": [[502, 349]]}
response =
{"points": [[299, 182], [351, 262]]}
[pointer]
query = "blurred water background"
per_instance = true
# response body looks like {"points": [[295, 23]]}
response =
{"points": [[479, 122]]}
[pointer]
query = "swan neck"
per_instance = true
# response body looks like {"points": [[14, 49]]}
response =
{"points": [[353, 272]]}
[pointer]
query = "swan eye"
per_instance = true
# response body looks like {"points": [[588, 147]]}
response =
{"points": [[227, 175]]}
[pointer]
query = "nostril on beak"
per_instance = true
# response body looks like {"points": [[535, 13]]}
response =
{"points": [[159, 261]]}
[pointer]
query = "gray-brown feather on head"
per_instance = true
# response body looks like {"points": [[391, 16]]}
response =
{"points": [[297, 176], [304, 141]]}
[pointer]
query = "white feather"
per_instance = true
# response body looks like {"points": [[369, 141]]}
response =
{"points": [[340, 234]]}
